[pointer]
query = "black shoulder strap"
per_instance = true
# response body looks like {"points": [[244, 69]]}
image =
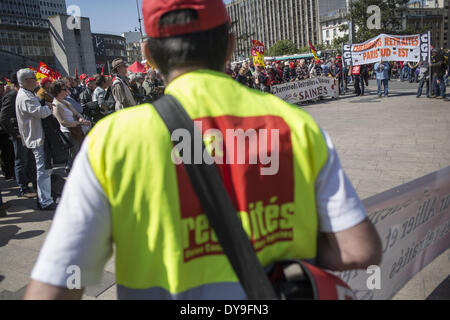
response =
{"points": [[219, 209]]}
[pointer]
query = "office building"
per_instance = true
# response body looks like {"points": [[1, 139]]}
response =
{"points": [[108, 47], [72, 47], [133, 46], [272, 20]]}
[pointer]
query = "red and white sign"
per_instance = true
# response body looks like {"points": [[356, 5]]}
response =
{"points": [[44, 69], [253, 204]]}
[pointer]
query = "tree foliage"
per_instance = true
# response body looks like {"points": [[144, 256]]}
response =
{"points": [[281, 48], [392, 17]]}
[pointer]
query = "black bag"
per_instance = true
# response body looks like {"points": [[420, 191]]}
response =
{"points": [[291, 279], [56, 144], [57, 183]]}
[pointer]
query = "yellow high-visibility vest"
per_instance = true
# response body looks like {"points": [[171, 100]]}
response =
{"points": [[162, 237]]}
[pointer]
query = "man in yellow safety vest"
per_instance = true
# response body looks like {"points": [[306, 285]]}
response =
{"points": [[127, 188]]}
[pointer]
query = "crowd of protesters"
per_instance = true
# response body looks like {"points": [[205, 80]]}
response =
{"points": [[278, 72], [43, 124]]}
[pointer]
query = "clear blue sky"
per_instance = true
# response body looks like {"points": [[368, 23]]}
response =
{"points": [[111, 16]]}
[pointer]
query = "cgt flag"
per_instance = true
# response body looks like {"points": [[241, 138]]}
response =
{"points": [[258, 50], [45, 70]]}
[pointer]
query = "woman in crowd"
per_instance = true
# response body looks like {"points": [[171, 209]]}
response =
{"points": [[69, 119], [100, 93]]}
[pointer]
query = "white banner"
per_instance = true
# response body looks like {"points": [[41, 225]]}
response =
{"points": [[388, 48], [413, 222], [306, 90]]}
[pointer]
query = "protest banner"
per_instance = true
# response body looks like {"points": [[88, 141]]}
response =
{"points": [[258, 51], [386, 47], [306, 90], [413, 222]]}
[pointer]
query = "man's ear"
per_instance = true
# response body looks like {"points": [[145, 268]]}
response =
{"points": [[146, 54], [231, 46]]}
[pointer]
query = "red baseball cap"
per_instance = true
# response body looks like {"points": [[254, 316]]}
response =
{"points": [[211, 14], [90, 79]]}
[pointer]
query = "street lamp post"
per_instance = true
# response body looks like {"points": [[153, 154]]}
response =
{"points": [[421, 14], [351, 27], [139, 19]]}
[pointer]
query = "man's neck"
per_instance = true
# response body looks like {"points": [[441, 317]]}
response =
{"points": [[28, 89], [180, 71]]}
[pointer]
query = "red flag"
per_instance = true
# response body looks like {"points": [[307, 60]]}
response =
{"points": [[8, 82], [257, 47], [102, 69], [46, 70], [313, 50], [76, 73]]}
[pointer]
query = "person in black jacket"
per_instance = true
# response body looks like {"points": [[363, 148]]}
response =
{"points": [[86, 95], [24, 166], [7, 152], [286, 72]]}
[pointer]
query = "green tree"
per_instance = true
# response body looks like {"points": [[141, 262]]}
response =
{"points": [[392, 14], [337, 42], [281, 48]]}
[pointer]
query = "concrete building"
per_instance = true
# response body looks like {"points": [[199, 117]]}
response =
{"points": [[331, 6], [332, 15], [133, 46], [434, 16], [272, 20], [52, 7], [24, 28], [72, 47], [11, 62], [330, 25], [30, 42], [108, 47]]}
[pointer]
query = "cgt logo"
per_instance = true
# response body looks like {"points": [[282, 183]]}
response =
{"points": [[45, 71], [347, 54], [425, 47], [266, 212]]}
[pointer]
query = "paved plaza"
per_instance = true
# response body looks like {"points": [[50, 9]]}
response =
{"points": [[382, 143]]}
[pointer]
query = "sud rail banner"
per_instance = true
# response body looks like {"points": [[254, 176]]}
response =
{"points": [[413, 222], [386, 47], [306, 90]]}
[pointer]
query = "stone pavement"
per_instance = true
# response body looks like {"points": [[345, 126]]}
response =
{"points": [[386, 142], [382, 143]]}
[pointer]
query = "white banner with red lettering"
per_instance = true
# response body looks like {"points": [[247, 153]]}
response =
{"points": [[387, 47], [413, 222], [306, 90]]}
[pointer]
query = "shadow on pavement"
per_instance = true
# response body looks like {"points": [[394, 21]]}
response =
{"points": [[8, 233], [442, 292], [27, 217]]}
